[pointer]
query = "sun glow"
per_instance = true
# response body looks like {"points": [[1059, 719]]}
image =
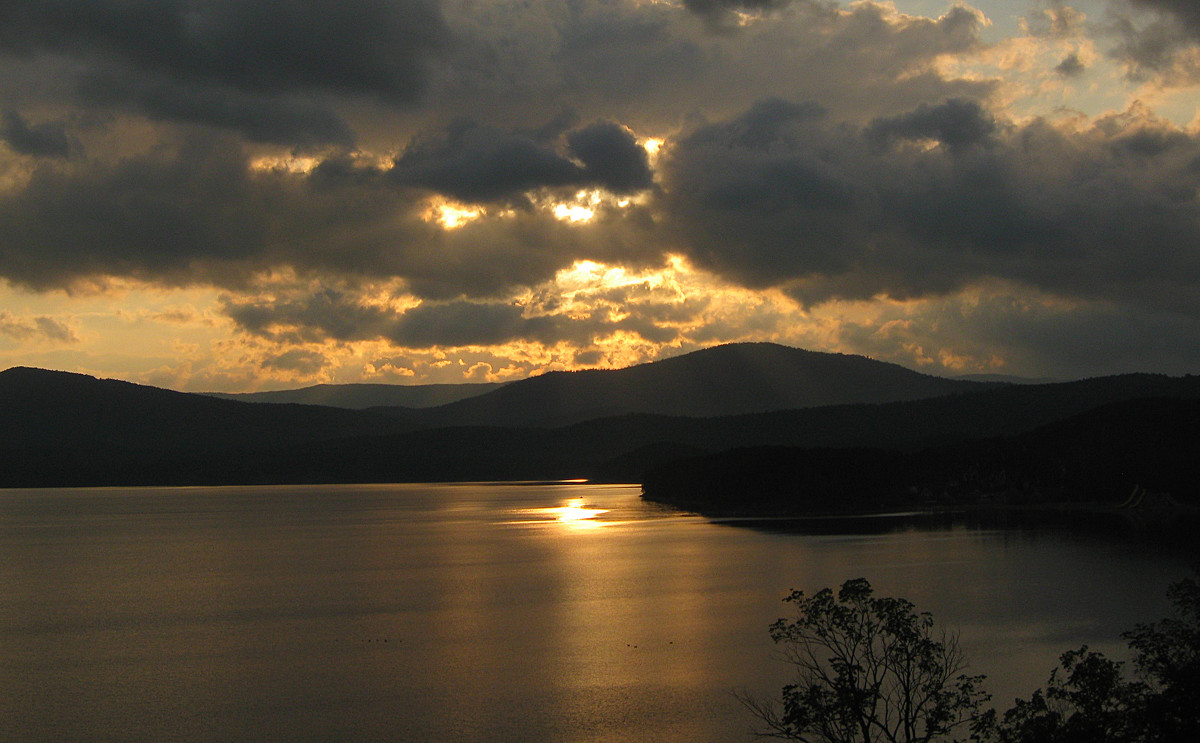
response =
{"points": [[581, 208], [285, 164], [573, 212], [451, 215]]}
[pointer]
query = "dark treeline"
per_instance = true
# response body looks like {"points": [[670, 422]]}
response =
{"points": [[67, 429], [1151, 447]]}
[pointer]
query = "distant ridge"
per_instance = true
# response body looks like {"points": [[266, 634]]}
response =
{"points": [[63, 429], [1097, 456], [363, 396], [732, 379], [1008, 379], [80, 413]]}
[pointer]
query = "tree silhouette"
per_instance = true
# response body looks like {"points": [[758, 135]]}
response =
{"points": [[868, 670], [1089, 700]]}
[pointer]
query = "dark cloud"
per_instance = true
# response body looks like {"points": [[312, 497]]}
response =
{"points": [[611, 157], [198, 213], [475, 163], [262, 68], [40, 140], [956, 123], [765, 122], [327, 314], [636, 61], [650, 66], [1071, 66], [376, 47], [300, 361], [761, 196], [1186, 11], [822, 210], [282, 119], [341, 316], [468, 323], [1160, 42], [149, 217], [479, 164], [716, 10], [711, 6], [1035, 334], [781, 196]]}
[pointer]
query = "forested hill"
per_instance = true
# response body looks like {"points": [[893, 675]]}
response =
{"points": [[1116, 453], [71, 429], [77, 414], [732, 379], [364, 396]]}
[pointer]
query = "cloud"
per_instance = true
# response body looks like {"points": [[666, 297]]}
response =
{"points": [[651, 66], [376, 47], [784, 195], [258, 67], [278, 119], [1159, 40], [997, 327], [303, 363], [475, 163], [197, 212], [821, 209], [36, 328], [611, 157], [717, 11], [40, 140], [956, 123], [1185, 11], [150, 217], [340, 316], [1071, 66]]}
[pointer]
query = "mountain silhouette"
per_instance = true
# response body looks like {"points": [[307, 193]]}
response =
{"points": [[1101, 455], [72, 429], [732, 379], [363, 396], [43, 408]]}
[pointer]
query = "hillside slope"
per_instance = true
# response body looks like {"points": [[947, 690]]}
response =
{"points": [[364, 396], [1108, 454], [732, 379], [42, 408], [70, 429]]}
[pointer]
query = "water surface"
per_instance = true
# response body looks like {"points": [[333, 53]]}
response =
{"points": [[483, 612]]}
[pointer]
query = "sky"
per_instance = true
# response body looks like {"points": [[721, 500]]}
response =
{"points": [[239, 195]]}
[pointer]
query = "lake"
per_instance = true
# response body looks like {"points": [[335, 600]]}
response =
{"points": [[502, 612]]}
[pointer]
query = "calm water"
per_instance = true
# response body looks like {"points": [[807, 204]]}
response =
{"points": [[481, 613]]}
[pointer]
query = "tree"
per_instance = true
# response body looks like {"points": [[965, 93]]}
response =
{"points": [[1088, 699], [868, 670], [1167, 657]]}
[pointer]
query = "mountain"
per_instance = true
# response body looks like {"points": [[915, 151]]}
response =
{"points": [[624, 448], [71, 429], [363, 396], [1007, 379], [733, 379], [1109, 454], [42, 408]]}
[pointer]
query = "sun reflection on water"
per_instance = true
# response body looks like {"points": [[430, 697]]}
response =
{"points": [[576, 514], [575, 510]]}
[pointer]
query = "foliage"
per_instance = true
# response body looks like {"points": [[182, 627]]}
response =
{"points": [[1085, 701], [1088, 699], [1167, 657], [868, 669]]}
